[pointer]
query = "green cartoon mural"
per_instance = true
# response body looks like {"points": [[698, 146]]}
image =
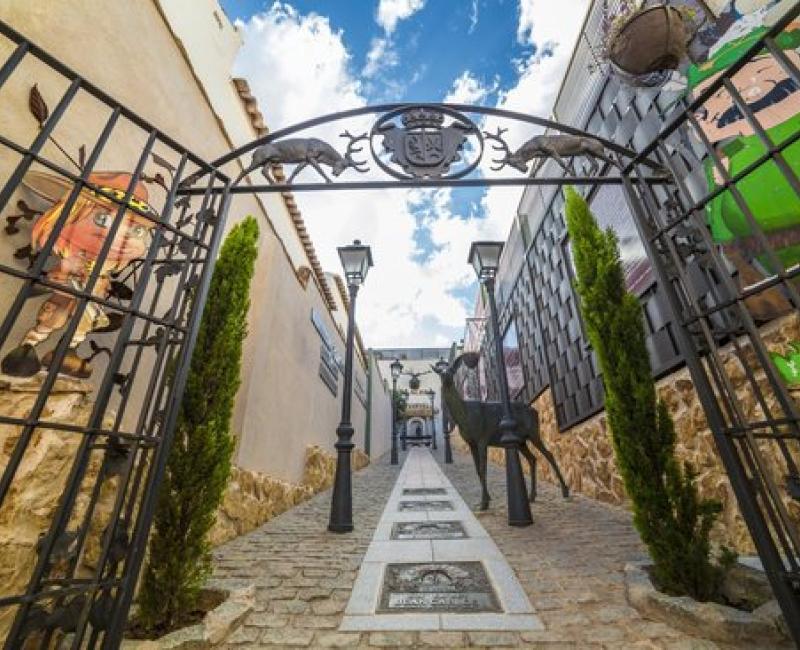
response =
{"points": [[773, 98]]}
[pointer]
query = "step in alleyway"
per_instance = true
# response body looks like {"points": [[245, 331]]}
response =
{"points": [[556, 584]]}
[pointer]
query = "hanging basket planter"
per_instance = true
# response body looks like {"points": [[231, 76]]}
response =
{"points": [[648, 41]]}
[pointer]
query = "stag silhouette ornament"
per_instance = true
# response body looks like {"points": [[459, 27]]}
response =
{"points": [[478, 423], [304, 152], [557, 146]]}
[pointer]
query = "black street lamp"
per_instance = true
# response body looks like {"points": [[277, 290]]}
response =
{"points": [[356, 261], [432, 395], [441, 366], [397, 369], [485, 258]]}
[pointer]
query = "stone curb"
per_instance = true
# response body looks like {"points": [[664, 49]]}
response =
{"points": [[763, 627], [216, 626]]}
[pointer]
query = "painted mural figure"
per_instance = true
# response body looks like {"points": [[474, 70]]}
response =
{"points": [[774, 98], [77, 249]]}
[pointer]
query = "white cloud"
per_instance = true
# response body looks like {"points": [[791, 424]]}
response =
{"points": [[540, 76], [391, 12], [381, 55], [403, 302], [299, 67], [473, 17], [468, 89]]}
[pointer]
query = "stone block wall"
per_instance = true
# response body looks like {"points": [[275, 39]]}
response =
{"points": [[252, 499], [249, 500], [586, 456]]}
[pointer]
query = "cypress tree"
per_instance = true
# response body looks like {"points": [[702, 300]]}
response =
{"points": [[199, 461], [671, 518]]}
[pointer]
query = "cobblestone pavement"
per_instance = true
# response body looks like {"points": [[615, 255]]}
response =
{"points": [[569, 562]]}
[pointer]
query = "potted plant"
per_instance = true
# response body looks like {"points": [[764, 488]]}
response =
{"points": [[644, 39], [682, 583]]}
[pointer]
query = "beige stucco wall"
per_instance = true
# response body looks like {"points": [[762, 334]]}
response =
{"points": [[381, 411], [175, 77]]}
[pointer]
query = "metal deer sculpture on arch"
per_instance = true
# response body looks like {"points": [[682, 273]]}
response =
{"points": [[304, 152], [556, 146]]}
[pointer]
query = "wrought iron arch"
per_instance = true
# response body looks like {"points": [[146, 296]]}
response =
{"points": [[159, 314], [423, 149]]}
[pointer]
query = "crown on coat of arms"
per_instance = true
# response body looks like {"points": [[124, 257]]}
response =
{"points": [[416, 118]]}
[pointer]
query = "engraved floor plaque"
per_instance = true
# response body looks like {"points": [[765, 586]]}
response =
{"points": [[424, 491], [461, 587], [428, 530], [425, 506]]}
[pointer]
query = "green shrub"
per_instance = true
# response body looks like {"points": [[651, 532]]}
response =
{"points": [[671, 518], [199, 461]]}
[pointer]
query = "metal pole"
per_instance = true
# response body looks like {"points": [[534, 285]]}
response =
{"points": [[519, 510], [394, 421], [341, 520], [448, 450], [433, 420]]}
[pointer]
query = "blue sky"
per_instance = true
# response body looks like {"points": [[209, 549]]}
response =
{"points": [[434, 46], [305, 58]]}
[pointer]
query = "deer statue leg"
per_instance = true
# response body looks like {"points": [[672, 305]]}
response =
{"points": [[526, 451], [552, 153], [300, 167], [537, 442], [319, 169]]}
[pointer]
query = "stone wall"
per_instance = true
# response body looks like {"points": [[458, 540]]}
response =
{"points": [[586, 457], [251, 499]]}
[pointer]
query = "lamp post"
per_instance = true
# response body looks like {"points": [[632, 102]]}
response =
{"points": [[356, 261], [441, 366], [432, 395], [397, 369], [485, 258]]}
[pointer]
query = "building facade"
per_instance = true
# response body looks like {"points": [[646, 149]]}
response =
{"points": [[551, 363]]}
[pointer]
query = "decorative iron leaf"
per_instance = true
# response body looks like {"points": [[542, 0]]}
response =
{"points": [[186, 246], [207, 216], [165, 270], [158, 160], [24, 252], [114, 322], [82, 156], [155, 338], [183, 202], [37, 105], [120, 290]]}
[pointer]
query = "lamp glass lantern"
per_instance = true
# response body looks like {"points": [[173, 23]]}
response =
{"points": [[484, 256], [441, 365], [356, 261], [396, 368]]}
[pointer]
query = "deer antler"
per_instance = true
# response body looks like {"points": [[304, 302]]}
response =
{"points": [[499, 163], [348, 155]]}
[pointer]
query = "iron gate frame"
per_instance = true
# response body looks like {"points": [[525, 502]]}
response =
{"points": [[655, 218]]}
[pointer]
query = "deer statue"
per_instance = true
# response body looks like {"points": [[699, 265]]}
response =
{"points": [[304, 152], [478, 423], [555, 146]]}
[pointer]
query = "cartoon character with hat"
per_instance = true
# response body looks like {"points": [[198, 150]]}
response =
{"points": [[774, 98], [77, 249]]}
